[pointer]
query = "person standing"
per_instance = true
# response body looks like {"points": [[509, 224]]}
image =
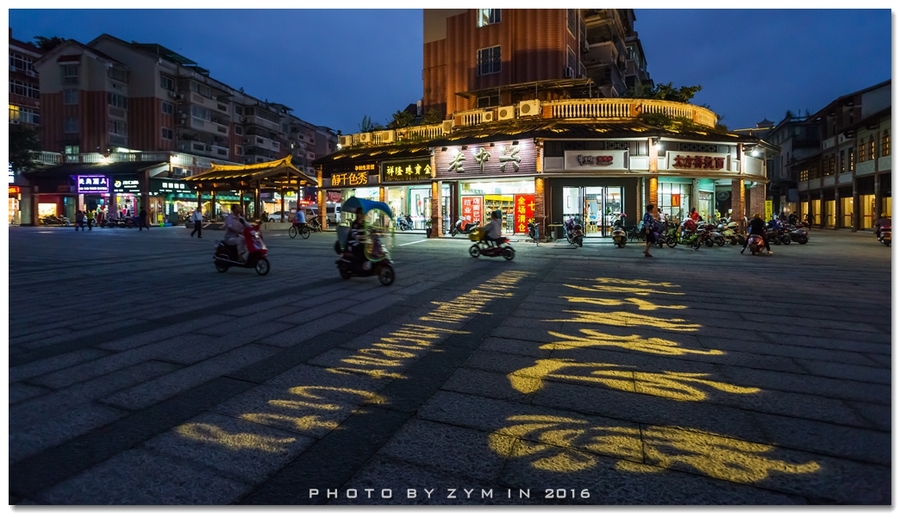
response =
{"points": [[79, 220], [90, 219], [758, 226], [695, 215], [649, 225], [197, 218], [142, 219]]}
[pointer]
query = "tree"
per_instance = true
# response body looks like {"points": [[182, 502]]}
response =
{"points": [[48, 44], [667, 92], [367, 125], [431, 117], [23, 146], [402, 119]]}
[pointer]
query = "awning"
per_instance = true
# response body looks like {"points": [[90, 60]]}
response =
{"points": [[275, 175], [110, 169]]}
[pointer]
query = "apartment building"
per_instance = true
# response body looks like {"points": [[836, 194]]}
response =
{"points": [[847, 182], [24, 109], [476, 58], [798, 139]]}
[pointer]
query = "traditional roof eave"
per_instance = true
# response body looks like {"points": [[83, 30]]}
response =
{"points": [[273, 174]]}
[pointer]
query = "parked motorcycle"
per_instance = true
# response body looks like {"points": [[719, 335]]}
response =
{"points": [[226, 255], [756, 244], [463, 227], [799, 235], [404, 223], [482, 247], [619, 235], [574, 232], [731, 234], [533, 230], [715, 236]]}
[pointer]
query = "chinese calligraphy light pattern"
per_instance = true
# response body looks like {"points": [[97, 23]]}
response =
{"points": [[524, 209], [472, 209]]}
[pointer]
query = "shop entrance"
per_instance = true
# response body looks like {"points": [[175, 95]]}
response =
{"points": [[596, 207]]}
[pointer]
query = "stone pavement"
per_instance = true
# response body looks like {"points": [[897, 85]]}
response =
{"points": [[140, 375]]}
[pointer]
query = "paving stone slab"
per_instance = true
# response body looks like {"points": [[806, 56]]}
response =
{"points": [[878, 415], [55, 363], [138, 477], [244, 450], [846, 442], [482, 383], [346, 386], [306, 330], [164, 387], [19, 392], [775, 352], [849, 372]]}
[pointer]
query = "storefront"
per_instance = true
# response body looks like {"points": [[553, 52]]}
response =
{"points": [[15, 198], [407, 188], [480, 178]]}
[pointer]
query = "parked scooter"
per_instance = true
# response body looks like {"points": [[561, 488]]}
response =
{"points": [[463, 227], [799, 235], [731, 234], [619, 235], [226, 255], [533, 230], [404, 222], [500, 248], [574, 232]]}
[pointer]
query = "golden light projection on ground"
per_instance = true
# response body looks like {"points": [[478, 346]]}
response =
{"points": [[233, 441], [671, 385], [637, 343], [643, 305], [389, 356], [635, 286], [649, 448], [627, 319], [313, 403]]}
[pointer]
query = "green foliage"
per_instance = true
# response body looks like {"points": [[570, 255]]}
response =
{"points": [[23, 146], [431, 117], [667, 92], [48, 44], [367, 125], [402, 119], [659, 120]]}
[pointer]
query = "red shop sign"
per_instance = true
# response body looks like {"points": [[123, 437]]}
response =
{"points": [[524, 210], [472, 209]]}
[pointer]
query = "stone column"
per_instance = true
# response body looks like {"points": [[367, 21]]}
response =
{"points": [[838, 212], [652, 187], [854, 218], [34, 204], [755, 200], [145, 196], [737, 203], [822, 208], [539, 215], [878, 200], [320, 199], [695, 195], [436, 219]]}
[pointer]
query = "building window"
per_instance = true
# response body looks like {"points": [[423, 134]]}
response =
{"points": [[871, 148], [886, 143], [488, 17], [168, 108], [70, 74], [485, 102], [167, 134], [166, 83], [238, 130], [238, 110], [201, 89], [118, 128], [24, 89], [572, 20], [489, 60], [70, 125], [117, 75], [862, 151], [20, 63], [15, 113], [70, 96], [239, 150], [843, 164], [850, 159], [200, 112], [116, 100], [804, 175]]}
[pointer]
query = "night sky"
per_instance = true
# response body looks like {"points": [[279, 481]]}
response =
{"points": [[335, 66]]}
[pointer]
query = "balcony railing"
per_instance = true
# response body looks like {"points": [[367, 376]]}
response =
{"points": [[611, 109]]}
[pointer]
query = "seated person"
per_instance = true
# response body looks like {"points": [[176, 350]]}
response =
{"points": [[300, 217], [234, 230], [357, 239], [492, 230]]}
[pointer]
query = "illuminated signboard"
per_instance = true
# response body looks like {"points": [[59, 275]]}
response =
{"points": [[510, 158], [408, 171], [132, 186], [355, 175], [595, 160], [15, 189], [524, 210], [89, 184], [472, 209], [689, 161]]}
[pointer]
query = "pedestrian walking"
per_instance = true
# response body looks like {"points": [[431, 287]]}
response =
{"points": [[90, 219], [197, 218], [650, 229], [79, 220], [142, 220]]}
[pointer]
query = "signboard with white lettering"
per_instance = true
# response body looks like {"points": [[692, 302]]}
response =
{"points": [[130, 186], [93, 184], [705, 161], [504, 158]]}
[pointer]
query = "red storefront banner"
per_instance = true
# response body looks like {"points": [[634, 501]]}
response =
{"points": [[471, 208], [524, 210]]}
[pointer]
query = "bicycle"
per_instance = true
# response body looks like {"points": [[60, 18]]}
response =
{"points": [[299, 228]]}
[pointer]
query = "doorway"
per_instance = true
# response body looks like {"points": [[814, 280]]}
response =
{"points": [[596, 208]]}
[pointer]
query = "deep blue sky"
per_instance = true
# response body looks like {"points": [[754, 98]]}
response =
{"points": [[335, 66]]}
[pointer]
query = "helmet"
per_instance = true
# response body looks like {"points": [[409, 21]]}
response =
{"points": [[497, 214]]}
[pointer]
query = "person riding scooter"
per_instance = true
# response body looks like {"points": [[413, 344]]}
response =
{"points": [[885, 221], [357, 238], [758, 226], [492, 230], [234, 231]]}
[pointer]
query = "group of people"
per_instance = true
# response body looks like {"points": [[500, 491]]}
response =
{"points": [[653, 227]]}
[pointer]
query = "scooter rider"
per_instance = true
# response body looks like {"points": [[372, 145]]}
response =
{"points": [[885, 221], [234, 230], [356, 239], [492, 229], [758, 226]]}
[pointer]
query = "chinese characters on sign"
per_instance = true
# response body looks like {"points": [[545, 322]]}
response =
{"points": [[351, 179], [472, 209], [364, 168], [594, 160], [698, 162], [486, 158], [93, 184], [406, 171], [510, 155], [524, 210], [456, 163], [481, 157]]}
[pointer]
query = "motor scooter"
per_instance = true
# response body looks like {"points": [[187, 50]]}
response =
{"points": [[884, 235], [377, 261], [226, 255], [533, 231], [574, 232], [462, 227], [500, 247], [619, 235], [404, 223], [799, 235], [756, 244]]}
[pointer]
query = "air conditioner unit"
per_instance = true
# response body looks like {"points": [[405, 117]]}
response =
{"points": [[172, 94], [487, 116], [386, 136], [365, 137], [529, 108], [180, 97], [570, 72], [243, 120], [506, 112], [346, 140], [447, 126]]}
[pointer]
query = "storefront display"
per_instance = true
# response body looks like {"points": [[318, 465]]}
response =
{"points": [[15, 194]]}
